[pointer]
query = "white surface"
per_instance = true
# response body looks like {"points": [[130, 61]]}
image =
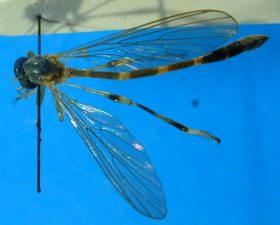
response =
{"points": [[18, 17]]}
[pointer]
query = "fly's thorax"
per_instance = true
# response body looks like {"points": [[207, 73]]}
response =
{"points": [[43, 70], [38, 70]]}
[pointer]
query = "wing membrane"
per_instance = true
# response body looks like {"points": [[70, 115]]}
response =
{"points": [[162, 42], [120, 156]]}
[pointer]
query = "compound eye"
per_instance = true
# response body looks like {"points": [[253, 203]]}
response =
{"points": [[18, 71], [21, 74]]}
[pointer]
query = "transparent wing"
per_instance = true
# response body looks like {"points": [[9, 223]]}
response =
{"points": [[120, 156], [162, 42]]}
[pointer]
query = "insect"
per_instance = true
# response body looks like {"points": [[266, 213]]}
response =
{"points": [[157, 47]]}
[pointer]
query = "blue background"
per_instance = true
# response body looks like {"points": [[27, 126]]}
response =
{"points": [[236, 182]]}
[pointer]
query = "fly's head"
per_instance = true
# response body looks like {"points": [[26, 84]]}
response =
{"points": [[21, 74]]}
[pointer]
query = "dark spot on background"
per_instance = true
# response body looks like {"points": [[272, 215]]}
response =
{"points": [[195, 103]]}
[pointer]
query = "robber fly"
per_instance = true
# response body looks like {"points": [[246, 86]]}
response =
{"points": [[157, 47]]}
